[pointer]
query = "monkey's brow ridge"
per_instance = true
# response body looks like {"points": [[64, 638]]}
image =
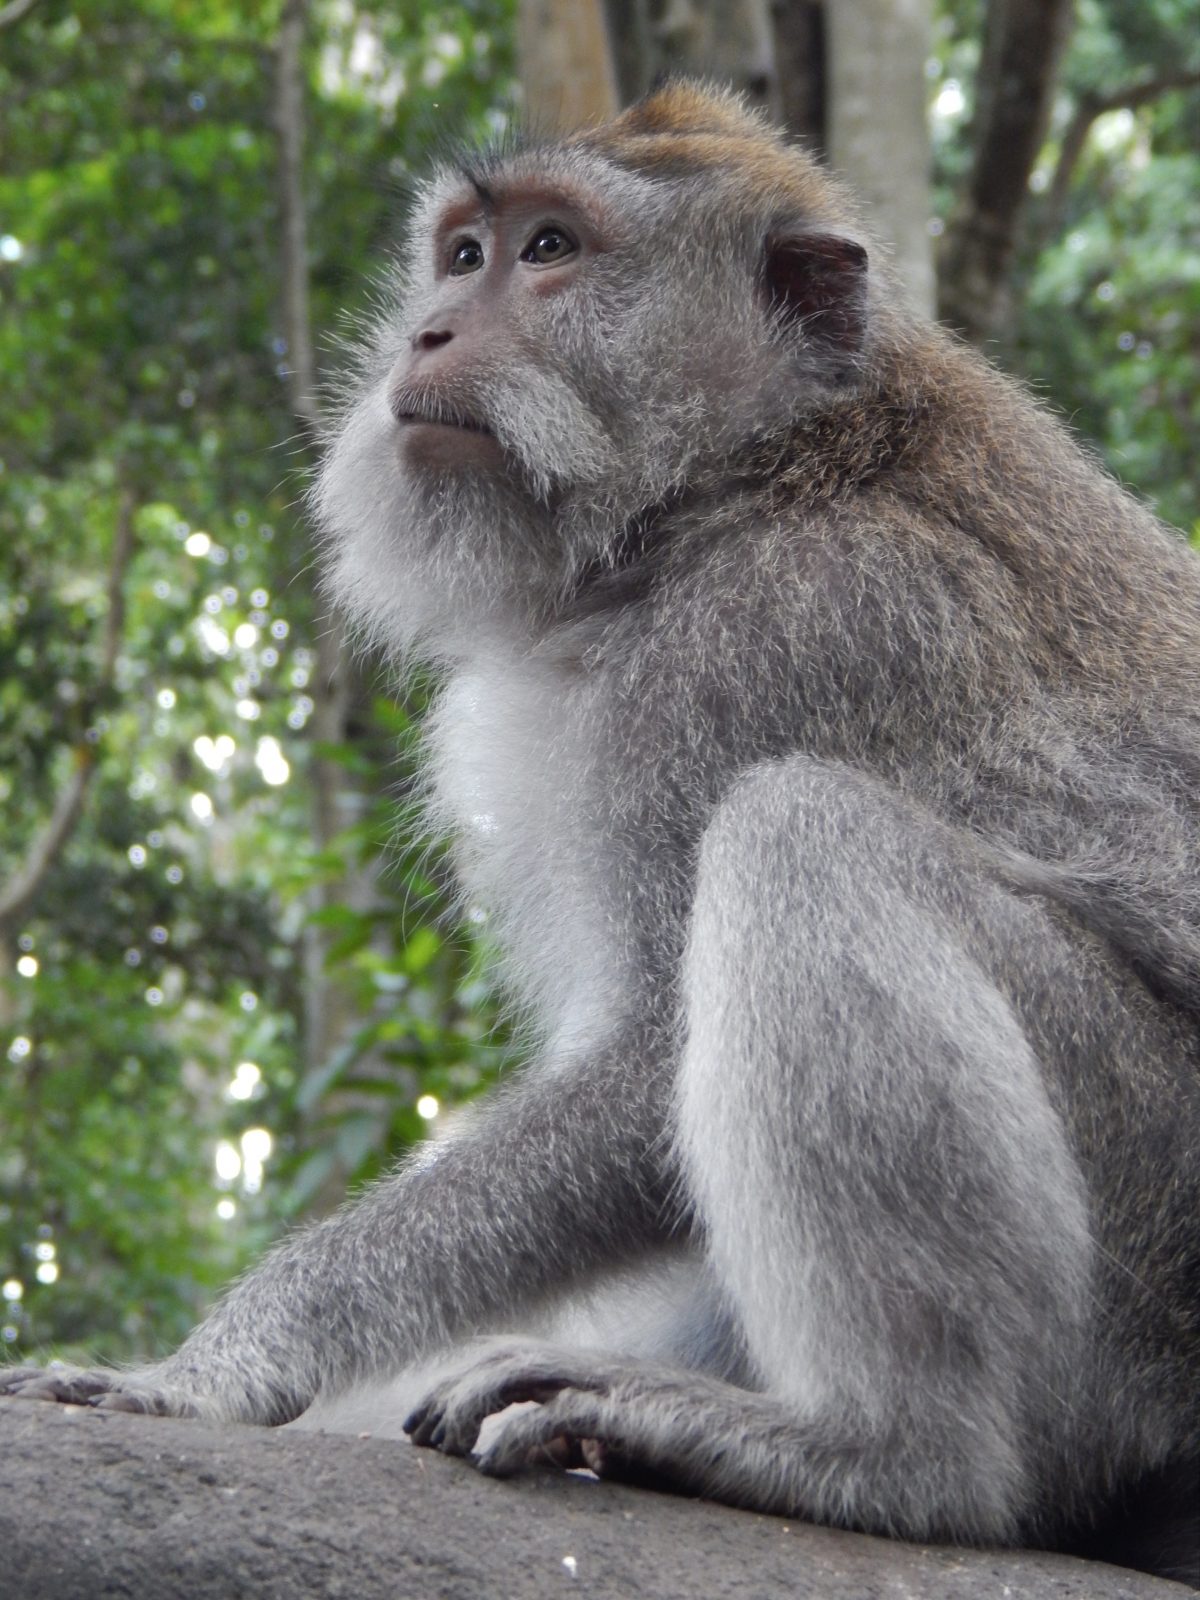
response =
{"points": [[487, 196]]}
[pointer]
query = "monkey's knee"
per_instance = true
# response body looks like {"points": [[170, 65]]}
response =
{"points": [[813, 816], [806, 859], [804, 855]]}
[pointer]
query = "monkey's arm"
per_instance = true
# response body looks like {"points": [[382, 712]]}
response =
{"points": [[561, 1173]]}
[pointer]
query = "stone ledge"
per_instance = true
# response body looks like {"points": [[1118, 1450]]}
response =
{"points": [[96, 1505]]}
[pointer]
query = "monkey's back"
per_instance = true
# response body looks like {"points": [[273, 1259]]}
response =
{"points": [[1024, 657]]}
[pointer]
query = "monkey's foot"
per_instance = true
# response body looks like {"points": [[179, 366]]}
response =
{"points": [[95, 1386], [618, 1417]]}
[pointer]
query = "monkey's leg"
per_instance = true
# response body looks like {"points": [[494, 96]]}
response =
{"points": [[561, 1173], [887, 1195], [887, 1191]]}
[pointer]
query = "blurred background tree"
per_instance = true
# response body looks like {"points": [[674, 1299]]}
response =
{"points": [[232, 981], [215, 1009]]}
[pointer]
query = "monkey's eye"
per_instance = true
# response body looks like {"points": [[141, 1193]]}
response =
{"points": [[468, 257], [547, 246]]}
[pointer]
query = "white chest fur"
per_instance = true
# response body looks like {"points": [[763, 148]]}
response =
{"points": [[511, 743]]}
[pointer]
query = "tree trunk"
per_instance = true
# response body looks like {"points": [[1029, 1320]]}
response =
{"points": [[845, 76], [801, 68], [1140, 92], [19, 894], [565, 65], [877, 127], [335, 805], [726, 41], [1023, 45]]}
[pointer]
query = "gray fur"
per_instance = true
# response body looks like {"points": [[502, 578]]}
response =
{"points": [[822, 740]]}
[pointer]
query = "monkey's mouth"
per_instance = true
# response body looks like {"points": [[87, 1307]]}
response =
{"points": [[410, 415]]}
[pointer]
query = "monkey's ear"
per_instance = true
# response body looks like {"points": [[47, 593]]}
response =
{"points": [[819, 281]]}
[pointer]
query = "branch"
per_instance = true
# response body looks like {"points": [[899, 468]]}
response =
{"points": [[1075, 136], [289, 127], [1022, 48], [325, 1021], [14, 11], [565, 64], [114, 622], [21, 890]]}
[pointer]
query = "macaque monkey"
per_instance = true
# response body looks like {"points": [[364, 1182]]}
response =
{"points": [[820, 727]]}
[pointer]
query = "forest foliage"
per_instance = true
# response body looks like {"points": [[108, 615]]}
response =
{"points": [[170, 912]]}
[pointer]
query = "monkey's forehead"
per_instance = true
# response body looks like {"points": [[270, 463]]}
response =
{"points": [[687, 138], [626, 183], [492, 179]]}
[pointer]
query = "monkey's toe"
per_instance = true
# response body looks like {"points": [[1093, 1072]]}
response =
{"points": [[448, 1419], [423, 1421], [564, 1430], [451, 1415]]}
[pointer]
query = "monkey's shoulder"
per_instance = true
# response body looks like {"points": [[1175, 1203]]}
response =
{"points": [[1032, 563]]}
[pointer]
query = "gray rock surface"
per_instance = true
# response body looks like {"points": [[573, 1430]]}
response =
{"points": [[97, 1504]]}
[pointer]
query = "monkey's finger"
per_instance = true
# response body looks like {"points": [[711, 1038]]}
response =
{"points": [[13, 1378], [68, 1388], [125, 1400]]}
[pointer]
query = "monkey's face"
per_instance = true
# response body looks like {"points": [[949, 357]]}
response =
{"points": [[489, 381], [571, 339]]}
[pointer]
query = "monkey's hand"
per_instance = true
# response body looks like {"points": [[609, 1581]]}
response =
{"points": [[618, 1417], [140, 1389]]}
